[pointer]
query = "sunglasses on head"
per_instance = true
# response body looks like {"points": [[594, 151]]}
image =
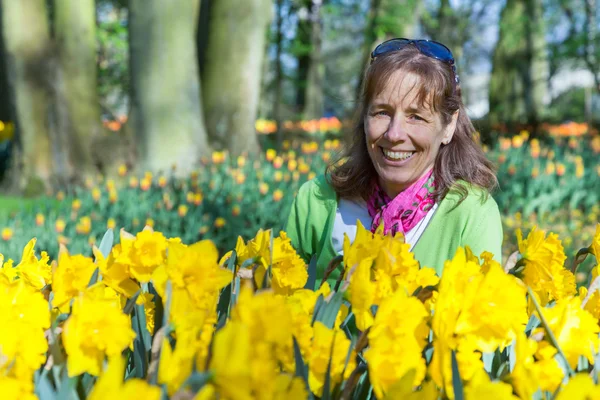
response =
{"points": [[428, 47]]}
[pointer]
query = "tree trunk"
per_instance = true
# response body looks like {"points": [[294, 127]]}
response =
{"points": [[28, 51], [303, 50], [231, 78], [314, 101], [75, 30], [6, 112], [166, 105], [591, 59], [388, 19], [278, 74], [518, 84]]}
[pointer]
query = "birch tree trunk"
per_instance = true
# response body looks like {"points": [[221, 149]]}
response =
{"points": [[232, 73], [166, 102], [28, 51]]}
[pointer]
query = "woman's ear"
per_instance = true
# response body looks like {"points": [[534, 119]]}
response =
{"points": [[450, 128]]}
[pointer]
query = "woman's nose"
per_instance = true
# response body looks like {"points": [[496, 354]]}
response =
{"points": [[396, 131]]}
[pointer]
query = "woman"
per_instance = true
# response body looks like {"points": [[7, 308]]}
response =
{"points": [[412, 165]]}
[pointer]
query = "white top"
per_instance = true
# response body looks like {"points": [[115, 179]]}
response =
{"points": [[348, 211]]}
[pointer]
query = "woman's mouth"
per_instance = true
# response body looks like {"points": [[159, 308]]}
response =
{"points": [[397, 155]]}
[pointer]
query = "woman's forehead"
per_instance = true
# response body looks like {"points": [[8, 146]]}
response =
{"points": [[404, 89]]}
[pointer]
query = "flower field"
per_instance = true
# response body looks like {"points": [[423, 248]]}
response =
{"points": [[554, 185], [154, 318], [196, 304]]}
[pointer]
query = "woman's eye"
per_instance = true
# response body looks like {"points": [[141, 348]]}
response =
{"points": [[381, 113], [417, 117]]}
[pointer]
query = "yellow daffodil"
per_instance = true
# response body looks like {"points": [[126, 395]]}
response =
{"points": [[575, 329], [230, 361], [481, 387], [544, 266], [175, 364], [288, 268], [528, 375], [96, 328], [494, 309], [71, 277], [15, 388], [36, 272], [396, 342], [110, 385], [26, 316], [362, 295], [581, 386], [114, 274], [595, 246], [322, 355]]}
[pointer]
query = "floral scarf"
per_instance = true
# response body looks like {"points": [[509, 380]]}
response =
{"points": [[406, 210]]}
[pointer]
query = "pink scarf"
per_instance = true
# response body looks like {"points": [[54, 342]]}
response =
{"points": [[402, 213]]}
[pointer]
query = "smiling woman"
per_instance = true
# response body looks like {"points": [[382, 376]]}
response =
{"points": [[412, 166]]}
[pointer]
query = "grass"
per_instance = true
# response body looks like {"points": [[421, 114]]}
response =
{"points": [[9, 204]]}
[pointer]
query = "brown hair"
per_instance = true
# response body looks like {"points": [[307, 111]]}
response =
{"points": [[352, 174]]}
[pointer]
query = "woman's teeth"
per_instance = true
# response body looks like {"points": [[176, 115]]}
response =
{"points": [[397, 155]]}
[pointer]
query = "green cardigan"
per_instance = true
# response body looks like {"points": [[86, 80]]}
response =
{"points": [[474, 222]]}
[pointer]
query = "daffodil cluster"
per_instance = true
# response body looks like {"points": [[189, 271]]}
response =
{"points": [[152, 317]]}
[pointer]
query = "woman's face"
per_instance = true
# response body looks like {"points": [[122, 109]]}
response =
{"points": [[403, 139]]}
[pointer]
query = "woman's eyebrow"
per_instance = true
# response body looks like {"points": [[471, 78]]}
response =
{"points": [[418, 110]]}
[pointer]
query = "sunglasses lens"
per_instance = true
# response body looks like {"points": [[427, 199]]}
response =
{"points": [[390, 45], [435, 50]]}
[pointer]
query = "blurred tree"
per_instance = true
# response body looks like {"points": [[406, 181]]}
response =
{"points": [[166, 104], [315, 75], [5, 103], [78, 107], [308, 44], [519, 80], [112, 59], [387, 19], [232, 72], [29, 52], [280, 15]]}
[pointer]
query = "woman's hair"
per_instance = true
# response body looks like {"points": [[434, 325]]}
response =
{"points": [[352, 174]]}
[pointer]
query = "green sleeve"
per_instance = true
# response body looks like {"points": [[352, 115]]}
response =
{"points": [[297, 223], [486, 234]]}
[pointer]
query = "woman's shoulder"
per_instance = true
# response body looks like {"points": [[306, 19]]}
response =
{"points": [[467, 198], [318, 188]]}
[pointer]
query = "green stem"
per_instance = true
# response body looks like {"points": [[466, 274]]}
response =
{"points": [[549, 331], [576, 261]]}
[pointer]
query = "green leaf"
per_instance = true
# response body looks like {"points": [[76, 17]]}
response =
{"points": [[533, 323], [363, 389], [94, 277], [224, 301], [553, 340], [318, 305], [43, 388], [197, 380], [67, 388], [130, 305], [301, 367], [168, 299], [141, 343], [312, 274], [327, 385], [457, 384], [235, 292], [107, 243], [231, 261], [328, 313]]}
